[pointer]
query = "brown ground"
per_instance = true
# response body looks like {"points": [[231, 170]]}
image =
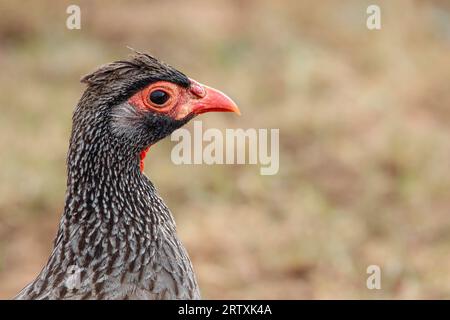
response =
{"points": [[364, 139]]}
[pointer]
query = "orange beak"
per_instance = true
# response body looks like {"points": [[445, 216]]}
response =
{"points": [[205, 99]]}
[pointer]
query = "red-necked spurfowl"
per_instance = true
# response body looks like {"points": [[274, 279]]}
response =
{"points": [[117, 239]]}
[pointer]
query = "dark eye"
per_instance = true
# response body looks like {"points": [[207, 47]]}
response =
{"points": [[159, 97]]}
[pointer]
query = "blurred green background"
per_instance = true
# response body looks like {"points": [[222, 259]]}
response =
{"points": [[364, 139]]}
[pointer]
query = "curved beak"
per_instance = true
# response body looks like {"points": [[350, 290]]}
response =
{"points": [[206, 99]]}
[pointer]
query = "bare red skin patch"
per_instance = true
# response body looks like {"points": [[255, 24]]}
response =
{"points": [[196, 99], [142, 157]]}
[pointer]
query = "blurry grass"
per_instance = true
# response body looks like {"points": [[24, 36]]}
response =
{"points": [[363, 117]]}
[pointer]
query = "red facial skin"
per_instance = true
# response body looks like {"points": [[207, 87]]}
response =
{"points": [[182, 102]]}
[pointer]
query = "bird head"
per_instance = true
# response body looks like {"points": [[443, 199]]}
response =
{"points": [[134, 103]]}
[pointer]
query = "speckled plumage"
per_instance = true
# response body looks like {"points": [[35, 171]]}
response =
{"points": [[116, 239]]}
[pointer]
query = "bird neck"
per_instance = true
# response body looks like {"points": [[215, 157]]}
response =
{"points": [[106, 189]]}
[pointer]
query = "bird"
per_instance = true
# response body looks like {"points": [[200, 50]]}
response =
{"points": [[116, 238]]}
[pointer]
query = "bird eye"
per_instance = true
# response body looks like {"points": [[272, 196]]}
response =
{"points": [[158, 97]]}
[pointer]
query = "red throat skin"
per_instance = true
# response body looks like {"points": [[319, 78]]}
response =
{"points": [[142, 157]]}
